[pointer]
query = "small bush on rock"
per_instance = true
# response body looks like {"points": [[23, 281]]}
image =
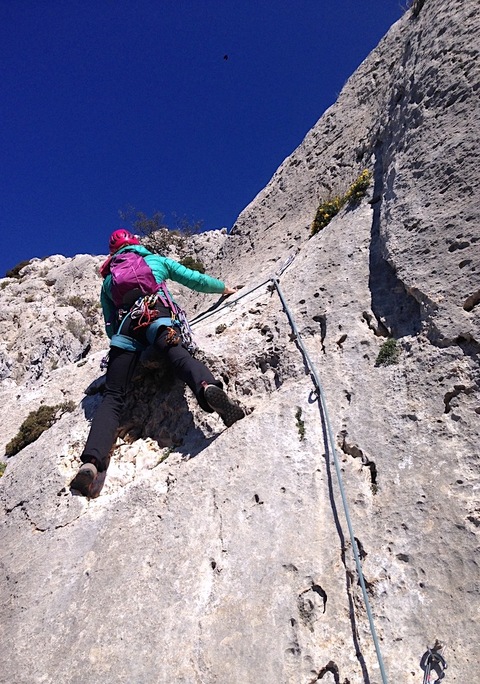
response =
{"points": [[389, 353], [35, 424], [325, 212], [77, 329], [416, 6], [156, 235], [193, 264], [76, 301], [2, 468], [357, 191], [89, 311], [300, 424], [15, 271], [330, 208]]}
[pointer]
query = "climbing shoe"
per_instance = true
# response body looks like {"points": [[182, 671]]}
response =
{"points": [[84, 479], [217, 399]]}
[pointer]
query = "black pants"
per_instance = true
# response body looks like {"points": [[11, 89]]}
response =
{"points": [[121, 366]]}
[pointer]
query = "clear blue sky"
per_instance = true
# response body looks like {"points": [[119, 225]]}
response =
{"points": [[109, 103]]}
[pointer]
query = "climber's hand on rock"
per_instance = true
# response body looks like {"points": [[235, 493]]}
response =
{"points": [[230, 290]]}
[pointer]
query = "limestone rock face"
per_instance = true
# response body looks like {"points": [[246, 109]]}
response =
{"points": [[223, 555]]}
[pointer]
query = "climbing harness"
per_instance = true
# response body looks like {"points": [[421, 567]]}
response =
{"points": [[145, 311], [432, 659], [179, 318], [274, 284]]}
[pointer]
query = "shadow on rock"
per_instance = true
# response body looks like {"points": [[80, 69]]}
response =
{"points": [[155, 408]]}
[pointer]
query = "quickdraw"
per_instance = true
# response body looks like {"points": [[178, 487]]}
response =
{"points": [[173, 337], [186, 331], [144, 311], [432, 659]]}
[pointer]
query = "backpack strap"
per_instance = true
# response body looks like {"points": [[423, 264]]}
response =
{"points": [[178, 315], [105, 267], [167, 300]]}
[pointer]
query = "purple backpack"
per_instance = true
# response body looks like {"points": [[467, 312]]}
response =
{"points": [[132, 277]]}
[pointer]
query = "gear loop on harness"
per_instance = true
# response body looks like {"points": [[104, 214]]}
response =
{"points": [[144, 310]]}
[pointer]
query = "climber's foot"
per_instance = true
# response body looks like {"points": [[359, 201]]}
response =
{"points": [[84, 480], [227, 409]]}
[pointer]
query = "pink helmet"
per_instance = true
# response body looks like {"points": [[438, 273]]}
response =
{"points": [[120, 238]]}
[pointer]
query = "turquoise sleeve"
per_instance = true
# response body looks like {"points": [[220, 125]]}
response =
{"points": [[164, 268], [108, 310]]}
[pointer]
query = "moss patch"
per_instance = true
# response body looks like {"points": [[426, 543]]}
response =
{"points": [[300, 424]]}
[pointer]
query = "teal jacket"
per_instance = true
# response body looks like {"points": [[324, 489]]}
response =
{"points": [[163, 268]]}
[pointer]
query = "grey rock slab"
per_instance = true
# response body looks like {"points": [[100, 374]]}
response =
{"points": [[203, 615], [217, 555]]}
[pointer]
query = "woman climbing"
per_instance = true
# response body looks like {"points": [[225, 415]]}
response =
{"points": [[139, 311]]}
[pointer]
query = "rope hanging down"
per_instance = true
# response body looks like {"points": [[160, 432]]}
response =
{"points": [[323, 405]]}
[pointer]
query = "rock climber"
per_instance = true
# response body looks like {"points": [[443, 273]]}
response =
{"points": [[128, 339]]}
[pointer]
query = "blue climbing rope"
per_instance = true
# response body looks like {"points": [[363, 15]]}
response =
{"points": [[323, 404], [230, 303], [322, 400]]}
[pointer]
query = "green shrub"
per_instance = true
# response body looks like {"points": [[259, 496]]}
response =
{"points": [[164, 455], [76, 301], [190, 262], [15, 271], [77, 329], [2, 468], [325, 212], [155, 234], [300, 424], [89, 311], [330, 208], [389, 353], [357, 191], [35, 424]]}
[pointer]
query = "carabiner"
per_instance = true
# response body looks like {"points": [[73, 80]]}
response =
{"points": [[433, 660]]}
